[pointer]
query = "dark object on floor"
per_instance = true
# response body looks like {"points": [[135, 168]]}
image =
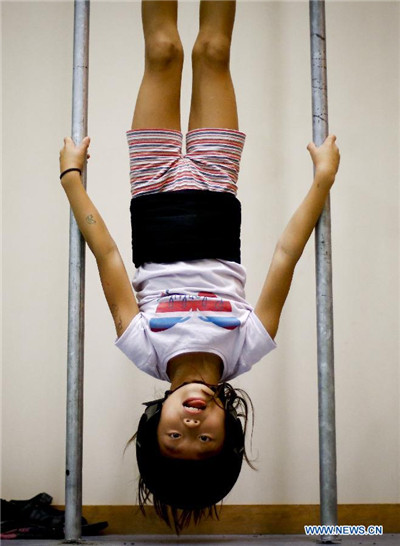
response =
{"points": [[35, 518]]}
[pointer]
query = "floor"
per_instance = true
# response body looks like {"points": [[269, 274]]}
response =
{"points": [[216, 540]]}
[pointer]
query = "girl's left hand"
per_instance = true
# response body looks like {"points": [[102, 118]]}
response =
{"points": [[73, 156]]}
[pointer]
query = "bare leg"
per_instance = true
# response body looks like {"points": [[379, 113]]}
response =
{"points": [[213, 96], [158, 102]]}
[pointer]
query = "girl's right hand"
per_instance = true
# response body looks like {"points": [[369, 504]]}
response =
{"points": [[73, 156], [326, 157]]}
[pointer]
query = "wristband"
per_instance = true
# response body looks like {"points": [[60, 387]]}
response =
{"points": [[69, 170]]}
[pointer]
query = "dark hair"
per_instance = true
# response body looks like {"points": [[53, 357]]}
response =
{"points": [[184, 489]]}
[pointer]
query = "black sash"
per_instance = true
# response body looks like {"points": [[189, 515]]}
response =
{"points": [[185, 225]]}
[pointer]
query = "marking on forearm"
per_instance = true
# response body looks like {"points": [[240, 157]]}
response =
{"points": [[90, 219], [117, 318], [119, 327]]}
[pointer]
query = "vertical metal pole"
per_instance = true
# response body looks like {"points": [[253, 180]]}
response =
{"points": [[73, 479], [326, 384]]}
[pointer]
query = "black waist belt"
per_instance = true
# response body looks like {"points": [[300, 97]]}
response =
{"points": [[185, 225]]}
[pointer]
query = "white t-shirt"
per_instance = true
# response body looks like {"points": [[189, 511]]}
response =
{"points": [[196, 306]]}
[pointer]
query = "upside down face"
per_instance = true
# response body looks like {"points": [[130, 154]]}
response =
{"points": [[192, 424]]}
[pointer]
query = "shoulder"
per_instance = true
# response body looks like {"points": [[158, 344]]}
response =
{"points": [[258, 341]]}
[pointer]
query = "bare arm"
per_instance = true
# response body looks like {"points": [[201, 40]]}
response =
{"points": [[294, 238], [114, 278]]}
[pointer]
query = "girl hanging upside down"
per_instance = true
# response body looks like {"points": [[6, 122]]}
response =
{"points": [[189, 323]]}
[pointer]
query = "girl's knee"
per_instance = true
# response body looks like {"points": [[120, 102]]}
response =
{"points": [[213, 51], [163, 51]]}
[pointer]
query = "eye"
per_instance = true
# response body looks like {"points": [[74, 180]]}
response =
{"points": [[204, 438], [174, 435]]}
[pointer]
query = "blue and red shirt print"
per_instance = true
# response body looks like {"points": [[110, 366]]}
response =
{"points": [[188, 307]]}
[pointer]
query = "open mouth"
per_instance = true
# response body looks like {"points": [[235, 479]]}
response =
{"points": [[194, 405]]}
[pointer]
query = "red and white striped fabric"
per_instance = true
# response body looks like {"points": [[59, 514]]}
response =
{"points": [[211, 162]]}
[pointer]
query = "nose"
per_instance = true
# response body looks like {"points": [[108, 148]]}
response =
{"points": [[191, 423]]}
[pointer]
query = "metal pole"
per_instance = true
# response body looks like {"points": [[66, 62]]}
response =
{"points": [[73, 479], [326, 383]]}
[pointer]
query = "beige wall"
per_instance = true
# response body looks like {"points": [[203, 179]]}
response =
{"points": [[270, 65]]}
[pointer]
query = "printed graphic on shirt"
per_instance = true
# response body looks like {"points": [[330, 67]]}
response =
{"points": [[197, 307], [161, 324]]}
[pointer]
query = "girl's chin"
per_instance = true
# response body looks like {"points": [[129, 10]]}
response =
{"points": [[207, 390], [196, 389]]}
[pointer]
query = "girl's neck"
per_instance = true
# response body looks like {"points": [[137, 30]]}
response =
{"points": [[189, 367]]}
